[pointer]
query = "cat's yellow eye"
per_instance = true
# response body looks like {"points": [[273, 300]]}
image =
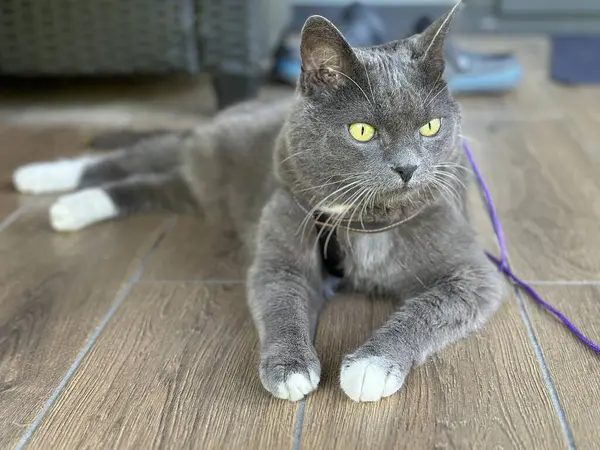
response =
{"points": [[362, 132], [431, 128]]}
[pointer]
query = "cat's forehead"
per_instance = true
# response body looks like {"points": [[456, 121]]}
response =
{"points": [[391, 75]]}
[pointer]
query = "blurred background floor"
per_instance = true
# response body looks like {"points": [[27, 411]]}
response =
{"points": [[135, 334]]}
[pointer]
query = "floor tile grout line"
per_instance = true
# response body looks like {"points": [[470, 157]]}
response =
{"points": [[12, 218], [537, 348], [299, 424], [302, 403], [533, 340], [117, 302], [564, 283], [234, 281], [208, 281]]}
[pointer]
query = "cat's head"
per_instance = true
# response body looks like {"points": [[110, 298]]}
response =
{"points": [[373, 129]]}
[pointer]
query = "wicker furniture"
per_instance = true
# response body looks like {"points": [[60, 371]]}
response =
{"points": [[231, 39]]}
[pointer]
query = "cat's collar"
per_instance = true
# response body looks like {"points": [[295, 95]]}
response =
{"points": [[321, 219]]}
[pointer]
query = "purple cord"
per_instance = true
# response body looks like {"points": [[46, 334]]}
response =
{"points": [[502, 263]]}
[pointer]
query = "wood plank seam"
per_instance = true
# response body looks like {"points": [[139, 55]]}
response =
{"points": [[302, 405], [193, 281], [539, 355], [299, 424], [565, 283], [12, 217], [545, 371], [234, 281], [168, 225]]}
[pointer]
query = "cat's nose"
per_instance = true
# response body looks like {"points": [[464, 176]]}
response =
{"points": [[405, 172]]}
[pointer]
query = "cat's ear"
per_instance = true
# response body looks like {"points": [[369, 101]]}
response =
{"points": [[327, 59], [428, 47]]}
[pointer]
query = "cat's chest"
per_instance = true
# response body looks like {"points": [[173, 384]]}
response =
{"points": [[365, 252], [365, 261], [370, 258]]}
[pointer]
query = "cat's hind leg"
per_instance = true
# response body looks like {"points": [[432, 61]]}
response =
{"points": [[157, 153], [52, 176], [139, 193]]}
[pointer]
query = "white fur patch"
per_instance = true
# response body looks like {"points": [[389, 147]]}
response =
{"points": [[48, 177], [372, 249], [335, 209], [297, 386], [369, 380], [76, 211]]}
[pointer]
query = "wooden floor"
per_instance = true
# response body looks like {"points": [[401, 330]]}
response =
{"points": [[136, 335]]}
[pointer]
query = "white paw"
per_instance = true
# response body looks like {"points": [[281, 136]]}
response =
{"points": [[76, 211], [370, 379], [296, 386], [48, 177]]}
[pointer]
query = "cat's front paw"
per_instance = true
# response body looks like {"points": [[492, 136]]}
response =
{"points": [[369, 378], [289, 372]]}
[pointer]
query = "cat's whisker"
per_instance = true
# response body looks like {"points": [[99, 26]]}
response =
{"points": [[326, 227], [344, 180], [341, 191], [433, 86], [336, 222], [293, 155], [442, 26], [331, 58], [452, 165], [357, 85], [445, 187], [368, 79], [320, 186], [435, 96], [365, 202], [451, 177], [429, 191], [334, 227], [440, 188], [355, 205], [451, 169], [356, 179]]}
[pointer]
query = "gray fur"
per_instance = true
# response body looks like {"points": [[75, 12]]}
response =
{"points": [[246, 166]]}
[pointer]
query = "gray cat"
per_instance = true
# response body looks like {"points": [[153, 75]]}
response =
{"points": [[357, 183]]}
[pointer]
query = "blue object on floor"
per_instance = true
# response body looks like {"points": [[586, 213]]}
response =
{"points": [[575, 59], [469, 72]]}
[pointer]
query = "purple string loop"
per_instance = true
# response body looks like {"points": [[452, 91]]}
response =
{"points": [[502, 262]]}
